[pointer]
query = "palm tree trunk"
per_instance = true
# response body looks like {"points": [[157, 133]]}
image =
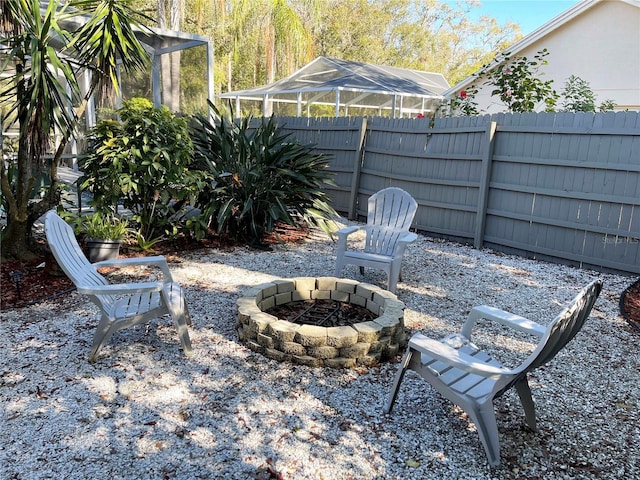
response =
{"points": [[175, 20], [170, 64]]}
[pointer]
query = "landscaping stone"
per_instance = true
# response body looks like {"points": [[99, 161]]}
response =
{"points": [[362, 343], [311, 336]]}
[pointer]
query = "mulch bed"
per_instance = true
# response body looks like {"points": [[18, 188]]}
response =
{"points": [[630, 305], [27, 283]]}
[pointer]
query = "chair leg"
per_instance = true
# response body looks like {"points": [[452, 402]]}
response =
{"points": [[484, 416], [402, 369], [524, 392], [187, 315], [183, 333], [103, 333], [394, 274], [174, 298], [339, 265]]}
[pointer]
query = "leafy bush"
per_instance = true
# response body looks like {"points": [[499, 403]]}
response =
{"points": [[142, 163], [578, 97], [517, 84], [259, 177]]}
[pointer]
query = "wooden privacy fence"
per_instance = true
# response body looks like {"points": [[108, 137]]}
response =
{"points": [[557, 186]]}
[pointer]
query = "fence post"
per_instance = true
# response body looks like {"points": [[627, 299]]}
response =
{"points": [[485, 180], [357, 165]]}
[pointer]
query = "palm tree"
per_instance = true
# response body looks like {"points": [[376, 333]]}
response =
{"points": [[286, 38], [39, 91]]}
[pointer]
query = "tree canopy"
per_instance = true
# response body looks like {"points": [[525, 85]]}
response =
{"points": [[260, 41]]}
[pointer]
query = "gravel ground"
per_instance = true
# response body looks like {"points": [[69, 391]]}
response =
{"points": [[145, 411]]}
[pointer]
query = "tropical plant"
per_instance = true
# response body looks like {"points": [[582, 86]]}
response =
{"points": [[99, 226], [141, 162], [39, 89], [517, 83], [259, 178]]}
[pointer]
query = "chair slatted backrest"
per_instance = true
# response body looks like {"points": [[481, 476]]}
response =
{"points": [[68, 253], [564, 327], [390, 213]]}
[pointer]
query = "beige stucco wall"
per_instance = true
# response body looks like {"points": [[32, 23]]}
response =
{"points": [[601, 46]]}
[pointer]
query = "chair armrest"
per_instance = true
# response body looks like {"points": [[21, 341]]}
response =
{"points": [[156, 261], [121, 288], [503, 317], [454, 357], [409, 237], [403, 241], [343, 233], [346, 231], [406, 239]]}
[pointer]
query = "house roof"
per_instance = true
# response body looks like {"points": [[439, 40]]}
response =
{"points": [[540, 32], [331, 81]]}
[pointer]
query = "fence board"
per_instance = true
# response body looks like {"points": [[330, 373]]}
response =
{"points": [[561, 186], [337, 137]]}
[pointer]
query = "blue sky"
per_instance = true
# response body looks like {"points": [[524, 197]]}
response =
{"points": [[529, 14]]}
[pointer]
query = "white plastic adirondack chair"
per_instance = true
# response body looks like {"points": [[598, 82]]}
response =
{"points": [[389, 216], [470, 378], [121, 305]]}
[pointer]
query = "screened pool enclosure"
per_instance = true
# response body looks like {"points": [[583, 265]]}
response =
{"points": [[333, 87]]}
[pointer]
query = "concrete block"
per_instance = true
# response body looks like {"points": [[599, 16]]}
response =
{"points": [[265, 341], [358, 300], [267, 303], [341, 336], [368, 331], [311, 336], [355, 351], [283, 331], [346, 285], [284, 286], [305, 283], [324, 352], [306, 360], [326, 283], [283, 298], [339, 296], [340, 362], [321, 294], [293, 348], [301, 295]]}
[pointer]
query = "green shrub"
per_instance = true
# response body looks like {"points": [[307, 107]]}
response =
{"points": [[260, 178], [141, 162], [103, 227], [516, 82], [578, 97]]}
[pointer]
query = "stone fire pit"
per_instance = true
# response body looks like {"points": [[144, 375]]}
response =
{"points": [[364, 343]]}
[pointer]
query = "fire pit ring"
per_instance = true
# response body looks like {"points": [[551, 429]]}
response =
{"points": [[365, 343]]}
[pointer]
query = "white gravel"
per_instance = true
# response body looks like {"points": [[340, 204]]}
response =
{"points": [[145, 411]]}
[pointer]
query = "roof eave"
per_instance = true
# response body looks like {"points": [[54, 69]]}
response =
{"points": [[533, 37]]}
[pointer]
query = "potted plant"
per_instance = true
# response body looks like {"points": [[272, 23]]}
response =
{"points": [[103, 235]]}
